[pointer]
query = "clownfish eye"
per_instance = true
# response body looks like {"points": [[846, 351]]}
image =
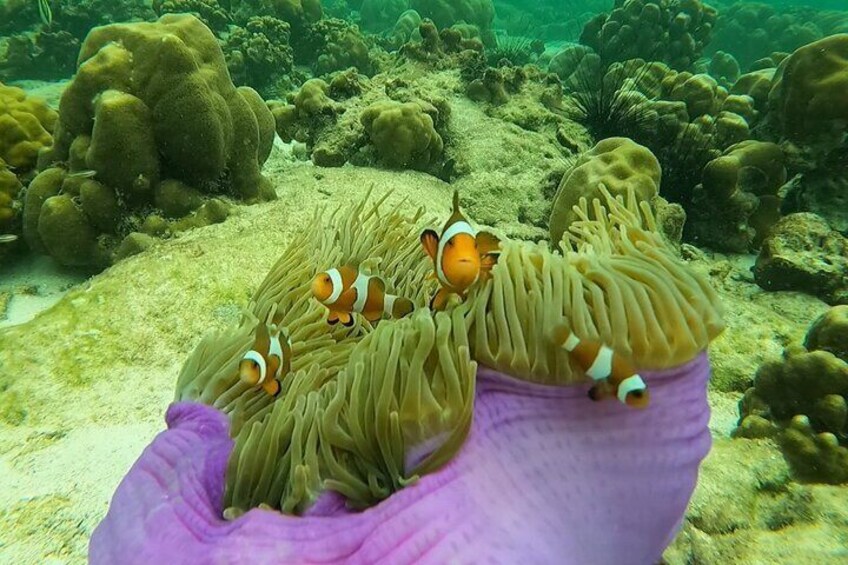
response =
{"points": [[636, 394], [254, 364], [327, 279], [450, 243]]}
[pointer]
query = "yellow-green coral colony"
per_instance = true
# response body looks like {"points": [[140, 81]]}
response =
{"points": [[358, 400]]}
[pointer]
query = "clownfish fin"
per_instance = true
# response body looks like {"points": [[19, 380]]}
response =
{"points": [[373, 315], [346, 318], [272, 387], [439, 300], [487, 261], [381, 284], [402, 307], [333, 318], [487, 243], [456, 201], [430, 242], [598, 392]]}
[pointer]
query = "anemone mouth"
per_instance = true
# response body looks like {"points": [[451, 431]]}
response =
{"points": [[368, 410]]}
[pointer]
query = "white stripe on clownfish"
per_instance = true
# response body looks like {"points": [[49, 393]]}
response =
{"points": [[388, 304], [360, 285], [338, 287], [257, 358], [455, 228]]}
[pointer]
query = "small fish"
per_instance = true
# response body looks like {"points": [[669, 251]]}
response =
{"points": [[461, 256], [347, 289], [45, 13], [8, 237], [268, 361], [82, 174], [613, 374]]}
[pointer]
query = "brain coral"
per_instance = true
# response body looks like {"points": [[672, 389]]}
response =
{"points": [[368, 412], [26, 125], [808, 93], [151, 102]]}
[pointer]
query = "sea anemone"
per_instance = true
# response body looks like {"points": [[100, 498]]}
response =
{"points": [[380, 418]]}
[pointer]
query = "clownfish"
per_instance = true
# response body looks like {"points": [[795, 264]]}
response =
{"points": [[461, 256], [613, 374], [268, 360], [346, 290]]}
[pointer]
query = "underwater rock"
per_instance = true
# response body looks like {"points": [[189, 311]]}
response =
{"points": [[802, 253], [446, 13], [131, 124]]}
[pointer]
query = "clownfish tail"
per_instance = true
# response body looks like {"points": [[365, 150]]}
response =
{"points": [[455, 200]]}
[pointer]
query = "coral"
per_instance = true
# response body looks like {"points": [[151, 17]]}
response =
{"points": [[617, 163], [830, 333], [345, 48], [404, 134], [26, 126], [46, 55], [132, 124], [768, 28], [807, 98], [10, 188], [672, 31], [803, 253], [381, 15], [805, 395], [757, 85], [701, 93], [298, 13], [737, 202], [210, 12], [724, 68], [446, 13], [258, 54]]}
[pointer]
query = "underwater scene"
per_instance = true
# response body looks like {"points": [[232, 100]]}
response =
{"points": [[424, 281]]}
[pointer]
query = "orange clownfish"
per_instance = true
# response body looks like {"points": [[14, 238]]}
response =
{"points": [[346, 290], [268, 360], [461, 256], [613, 374]]}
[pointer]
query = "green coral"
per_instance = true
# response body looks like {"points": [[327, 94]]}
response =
{"points": [[26, 126], [258, 54], [151, 102], [403, 134], [806, 395]]}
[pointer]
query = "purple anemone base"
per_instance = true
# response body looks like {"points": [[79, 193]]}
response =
{"points": [[545, 476]]}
